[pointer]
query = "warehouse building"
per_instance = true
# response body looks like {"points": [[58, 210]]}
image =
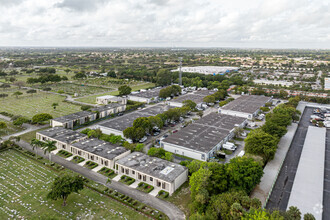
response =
{"points": [[147, 96], [106, 110], [98, 151], [119, 124], [72, 120], [247, 106], [161, 174], [202, 139], [195, 96], [63, 137]]}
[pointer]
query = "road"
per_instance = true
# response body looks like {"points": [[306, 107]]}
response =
{"points": [[281, 192], [169, 209]]}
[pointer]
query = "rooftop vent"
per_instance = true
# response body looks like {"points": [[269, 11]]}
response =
{"points": [[108, 152]]}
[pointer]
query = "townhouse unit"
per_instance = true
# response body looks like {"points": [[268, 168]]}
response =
{"points": [[202, 139], [247, 106], [106, 99], [106, 110], [63, 137], [72, 120], [98, 151], [161, 174]]}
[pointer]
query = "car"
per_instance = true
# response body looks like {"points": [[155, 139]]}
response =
{"points": [[165, 136], [120, 114], [143, 139], [175, 131], [172, 125], [156, 133]]}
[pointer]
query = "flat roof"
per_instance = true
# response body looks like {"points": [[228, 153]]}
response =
{"points": [[63, 135], [125, 121], [151, 93], [100, 148], [73, 116], [107, 97], [196, 96], [247, 103], [107, 107], [206, 132], [153, 166], [307, 189]]}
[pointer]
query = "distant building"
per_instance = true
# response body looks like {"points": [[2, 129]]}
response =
{"points": [[327, 83], [104, 100], [195, 96], [272, 82], [147, 96], [106, 110], [161, 174], [208, 70]]}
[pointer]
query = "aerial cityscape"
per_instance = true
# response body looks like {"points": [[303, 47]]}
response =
{"points": [[163, 109]]}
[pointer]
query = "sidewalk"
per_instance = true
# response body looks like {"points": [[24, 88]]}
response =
{"points": [[271, 170]]}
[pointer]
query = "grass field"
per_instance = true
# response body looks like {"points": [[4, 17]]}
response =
{"points": [[24, 185], [71, 89], [92, 99], [29, 105], [30, 135], [181, 198], [11, 129]]}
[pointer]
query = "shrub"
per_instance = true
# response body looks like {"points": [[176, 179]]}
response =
{"points": [[19, 121], [38, 118]]}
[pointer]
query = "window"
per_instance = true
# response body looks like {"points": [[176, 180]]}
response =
{"points": [[144, 178], [106, 162], [116, 167], [133, 172], [203, 156], [151, 179], [163, 185], [122, 170]]}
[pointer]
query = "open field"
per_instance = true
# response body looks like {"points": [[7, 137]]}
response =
{"points": [[109, 82], [11, 129], [29, 105], [92, 99], [71, 88], [24, 185]]}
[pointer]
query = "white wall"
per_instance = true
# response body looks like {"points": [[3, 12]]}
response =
{"points": [[174, 104], [183, 151], [234, 113], [55, 123], [108, 131], [138, 99]]}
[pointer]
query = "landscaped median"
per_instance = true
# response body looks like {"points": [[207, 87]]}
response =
{"points": [[90, 165], [63, 153], [126, 180], [144, 187], [107, 172]]}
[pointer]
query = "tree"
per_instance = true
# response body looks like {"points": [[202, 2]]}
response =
{"points": [[142, 122], [309, 216], [31, 91], [64, 185], [293, 213], [168, 156], [96, 133], [48, 146], [238, 131], [156, 152], [209, 99], [198, 183], [3, 95], [190, 104], [163, 77], [261, 143], [274, 129], [54, 105], [67, 70], [243, 173], [17, 93], [35, 143], [200, 114], [139, 147], [124, 90], [134, 133], [39, 118], [3, 125]]}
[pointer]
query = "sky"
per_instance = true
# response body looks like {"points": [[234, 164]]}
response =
{"points": [[166, 23]]}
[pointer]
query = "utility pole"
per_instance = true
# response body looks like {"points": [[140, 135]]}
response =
{"points": [[180, 71]]}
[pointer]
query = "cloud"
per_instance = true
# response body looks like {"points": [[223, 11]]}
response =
{"points": [[235, 23]]}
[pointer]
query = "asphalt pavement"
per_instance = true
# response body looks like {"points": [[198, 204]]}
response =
{"points": [[280, 195]]}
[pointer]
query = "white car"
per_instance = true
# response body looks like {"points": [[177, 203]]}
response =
{"points": [[143, 139]]}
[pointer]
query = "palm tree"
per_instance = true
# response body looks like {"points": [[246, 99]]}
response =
{"points": [[49, 146], [35, 143]]}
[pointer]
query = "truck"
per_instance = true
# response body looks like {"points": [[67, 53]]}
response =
{"points": [[229, 147]]}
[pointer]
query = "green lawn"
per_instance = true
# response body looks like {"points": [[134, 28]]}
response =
{"points": [[92, 99], [11, 129], [29, 105], [30, 135], [24, 185]]}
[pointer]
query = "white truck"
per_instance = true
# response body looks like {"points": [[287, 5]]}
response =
{"points": [[229, 147]]}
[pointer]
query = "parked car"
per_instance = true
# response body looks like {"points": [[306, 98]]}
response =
{"points": [[120, 114], [156, 133], [165, 136], [143, 139], [175, 131]]}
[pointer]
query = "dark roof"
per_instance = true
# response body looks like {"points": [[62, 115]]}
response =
{"points": [[196, 96], [151, 93], [63, 135], [153, 166], [100, 148], [125, 121], [247, 103], [74, 116], [205, 133], [107, 107]]}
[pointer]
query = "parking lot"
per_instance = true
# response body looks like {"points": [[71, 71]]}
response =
{"points": [[279, 197]]}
